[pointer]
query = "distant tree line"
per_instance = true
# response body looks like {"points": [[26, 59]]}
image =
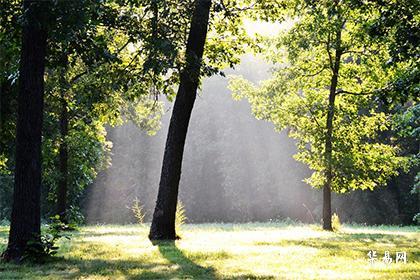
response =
{"points": [[236, 169]]}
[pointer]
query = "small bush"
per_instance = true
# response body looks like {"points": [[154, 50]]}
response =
{"points": [[75, 216], [138, 211], [180, 216], [335, 222], [416, 219], [40, 249]]}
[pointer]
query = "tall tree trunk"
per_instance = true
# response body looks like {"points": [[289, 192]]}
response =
{"points": [[6, 113], [326, 209], [5, 101], [63, 162], [163, 223], [25, 219]]}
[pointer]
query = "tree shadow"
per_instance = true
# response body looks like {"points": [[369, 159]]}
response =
{"points": [[187, 268], [141, 268], [92, 233], [350, 243]]}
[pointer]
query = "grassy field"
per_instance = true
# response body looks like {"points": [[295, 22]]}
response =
{"points": [[228, 251]]}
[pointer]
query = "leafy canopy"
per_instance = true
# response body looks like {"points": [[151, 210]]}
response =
{"points": [[297, 95]]}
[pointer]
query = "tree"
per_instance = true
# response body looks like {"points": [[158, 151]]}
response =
{"points": [[45, 25], [83, 139], [163, 223], [396, 26], [103, 82], [203, 57], [10, 38], [25, 221], [323, 90], [407, 130]]}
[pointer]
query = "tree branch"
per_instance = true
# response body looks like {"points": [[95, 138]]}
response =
{"points": [[310, 111], [352, 93], [78, 76], [316, 73], [329, 53]]}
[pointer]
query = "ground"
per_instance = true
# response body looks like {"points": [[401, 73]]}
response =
{"points": [[228, 251]]}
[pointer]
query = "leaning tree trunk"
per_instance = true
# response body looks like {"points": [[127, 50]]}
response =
{"points": [[163, 223], [25, 219], [63, 163], [326, 209]]}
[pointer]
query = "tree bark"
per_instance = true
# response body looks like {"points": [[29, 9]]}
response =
{"points": [[326, 209], [25, 219], [7, 111], [163, 223], [63, 163]]}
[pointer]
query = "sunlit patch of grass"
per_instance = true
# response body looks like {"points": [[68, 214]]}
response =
{"points": [[228, 251]]}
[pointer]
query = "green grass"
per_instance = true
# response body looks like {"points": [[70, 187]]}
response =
{"points": [[228, 251]]}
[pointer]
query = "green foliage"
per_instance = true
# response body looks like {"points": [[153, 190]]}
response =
{"points": [[406, 126], [398, 23], [108, 61], [180, 216], [89, 152], [74, 217], [297, 96], [41, 249], [138, 211], [6, 194]]}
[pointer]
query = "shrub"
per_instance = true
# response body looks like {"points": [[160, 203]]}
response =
{"points": [[416, 219], [180, 216], [40, 249], [138, 211], [74, 216], [335, 222]]}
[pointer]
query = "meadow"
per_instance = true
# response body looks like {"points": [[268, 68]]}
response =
{"points": [[228, 251]]}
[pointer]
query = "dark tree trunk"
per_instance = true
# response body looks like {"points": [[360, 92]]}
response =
{"points": [[163, 223], [326, 209], [7, 114], [25, 219], [63, 163], [5, 100]]}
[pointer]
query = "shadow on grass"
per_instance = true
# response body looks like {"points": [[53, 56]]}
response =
{"points": [[353, 243], [90, 233], [187, 268], [180, 266], [71, 268]]}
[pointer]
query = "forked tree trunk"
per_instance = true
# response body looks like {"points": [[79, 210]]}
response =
{"points": [[63, 163], [25, 219], [163, 223]]}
